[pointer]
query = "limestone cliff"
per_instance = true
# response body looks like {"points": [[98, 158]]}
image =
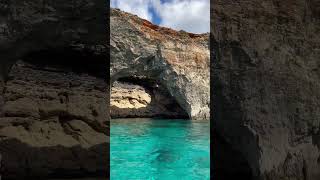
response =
{"points": [[53, 100], [178, 61], [265, 87]]}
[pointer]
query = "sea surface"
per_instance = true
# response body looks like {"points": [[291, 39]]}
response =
{"points": [[156, 149]]}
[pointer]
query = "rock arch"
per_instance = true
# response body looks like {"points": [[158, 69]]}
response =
{"points": [[140, 96], [177, 60]]}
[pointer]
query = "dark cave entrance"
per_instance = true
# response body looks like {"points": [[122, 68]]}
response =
{"points": [[143, 97]]}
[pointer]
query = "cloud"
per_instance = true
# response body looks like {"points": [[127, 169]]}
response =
{"points": [[137, 7], [188, 15]]}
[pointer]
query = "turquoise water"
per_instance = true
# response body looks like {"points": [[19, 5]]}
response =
{"points": [[149, 149]]}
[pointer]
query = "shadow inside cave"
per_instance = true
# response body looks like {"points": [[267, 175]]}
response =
{"points": [[162, 104]]}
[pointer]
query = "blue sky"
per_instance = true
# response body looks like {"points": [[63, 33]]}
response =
{"points": [[188, 15]]}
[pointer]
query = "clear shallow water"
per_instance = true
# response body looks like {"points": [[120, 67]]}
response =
{"points": [[142, 149]]}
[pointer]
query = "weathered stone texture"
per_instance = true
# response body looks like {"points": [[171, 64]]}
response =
{"points": [[132, 100], [53, 99], [266, 83], [178, 60]]}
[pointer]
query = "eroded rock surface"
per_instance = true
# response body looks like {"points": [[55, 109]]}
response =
{"points": [[53, 121], [178, 60], [53, 99], [266, 85], [132, 100]]}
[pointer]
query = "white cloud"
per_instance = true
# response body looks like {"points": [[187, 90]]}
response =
{"points": [[137, 7], [188, 15]]}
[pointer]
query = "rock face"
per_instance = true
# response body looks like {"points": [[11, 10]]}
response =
{"points": [[266, 89], [53, 100], [132, 100], [178, 61], [54, 120]]}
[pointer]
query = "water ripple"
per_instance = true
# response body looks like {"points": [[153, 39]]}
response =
{"points": [[159, 149]]}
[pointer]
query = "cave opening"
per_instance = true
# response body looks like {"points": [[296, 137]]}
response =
{"points": [[143, 97]]}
